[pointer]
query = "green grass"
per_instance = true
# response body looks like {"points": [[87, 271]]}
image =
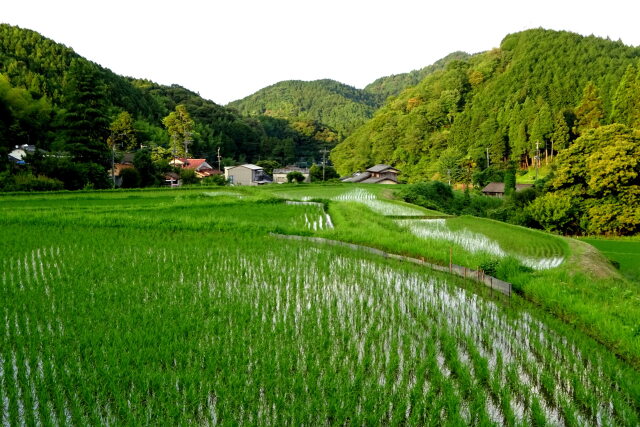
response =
{"points": [[530, 176], [625, 252]]}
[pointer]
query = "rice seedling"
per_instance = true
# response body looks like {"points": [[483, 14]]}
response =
{"points": [[470, 241], [370, 200]]}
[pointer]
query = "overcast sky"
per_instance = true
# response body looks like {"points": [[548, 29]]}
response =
{"points": [[228, 49]]}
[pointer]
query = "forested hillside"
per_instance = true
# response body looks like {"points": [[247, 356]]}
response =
{"points": [[54, 99], [385, 87], [341, 107], [540, 87]]}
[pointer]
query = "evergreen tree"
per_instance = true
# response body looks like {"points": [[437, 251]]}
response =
{"points": [[85, 123], [561, 133], [145, 167], [625, 100], [590, 111]]}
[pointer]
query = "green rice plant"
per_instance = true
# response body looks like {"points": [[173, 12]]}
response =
{"points": [[111, 316]]}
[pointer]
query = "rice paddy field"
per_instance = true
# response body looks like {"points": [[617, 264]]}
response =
{"points": [[625, 252], [179, 307]]}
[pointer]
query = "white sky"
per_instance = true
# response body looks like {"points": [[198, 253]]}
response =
{"points": [[228, 49]]}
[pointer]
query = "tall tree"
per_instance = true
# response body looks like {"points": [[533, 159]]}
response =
{"points": [[561, 133], [626, 101], [590, 111], [85, 122], [123, 135], [180, 126]]}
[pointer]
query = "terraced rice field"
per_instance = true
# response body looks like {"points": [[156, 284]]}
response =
{"points": [[269, 336], [625, 252], [475, 242], [211, 321], [367, 198]]}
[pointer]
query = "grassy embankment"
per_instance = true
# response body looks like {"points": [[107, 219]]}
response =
{"points": [[625, 252]]}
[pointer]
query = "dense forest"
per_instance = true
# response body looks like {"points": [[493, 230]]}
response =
{"points": [[54, 99], [505, 100], [393, 85], [338, 106], [341, 107]]}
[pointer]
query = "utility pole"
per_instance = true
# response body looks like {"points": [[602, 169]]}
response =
{"points": [[113, 165], [487, 156], [324, 152], [537, 159], [219, 160]]}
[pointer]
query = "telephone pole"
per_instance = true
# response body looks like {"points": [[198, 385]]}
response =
{"points": [[324, 152], [219, 160], [537, 159]]}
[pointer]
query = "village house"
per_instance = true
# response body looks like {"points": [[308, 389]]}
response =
{"points": [[378, 174], [496, 189], [246, 174], [200, 166], [20, 153], [280, 175]]}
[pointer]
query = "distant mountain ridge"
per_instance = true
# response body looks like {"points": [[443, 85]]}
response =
{"points": [[337, 105], [340, 106], [394, 84]]}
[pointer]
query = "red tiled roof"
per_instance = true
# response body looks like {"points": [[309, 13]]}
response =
{"points": [[192, 163]]}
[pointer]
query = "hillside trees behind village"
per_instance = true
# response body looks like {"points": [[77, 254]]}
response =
{"points": [[63, 104]]}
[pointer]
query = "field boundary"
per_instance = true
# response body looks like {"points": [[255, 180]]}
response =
{"points": [[491, 282]]}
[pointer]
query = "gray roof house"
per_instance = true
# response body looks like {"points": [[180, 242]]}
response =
{"points": [[378, 174], [246, 174]]}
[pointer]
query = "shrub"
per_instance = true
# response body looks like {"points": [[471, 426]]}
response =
{"points": [[315, 173], [432, 195], [295, 176], [188, 176], [29, 182], [555, 212], [130, 178], [215, 180]]}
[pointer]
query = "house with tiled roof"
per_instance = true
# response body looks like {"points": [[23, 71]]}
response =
{"points": [[200, 166], [378, 174]]}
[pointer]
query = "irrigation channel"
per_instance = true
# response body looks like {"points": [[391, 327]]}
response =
{"points": [[491, 282]]}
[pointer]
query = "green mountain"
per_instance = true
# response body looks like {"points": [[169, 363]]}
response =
{"points": [[392, 85], [533, 91], [53, 98], [339, 106]]}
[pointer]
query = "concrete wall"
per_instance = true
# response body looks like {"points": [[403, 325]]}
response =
{"points": [[280, 178], [239, 175]]}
